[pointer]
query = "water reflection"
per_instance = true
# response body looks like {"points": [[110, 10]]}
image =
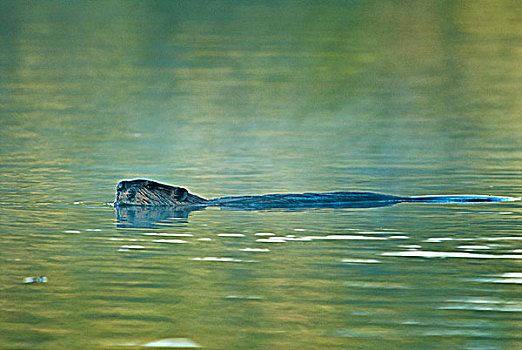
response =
{"points": [[159, 216], [151, 217], [254, 96]]}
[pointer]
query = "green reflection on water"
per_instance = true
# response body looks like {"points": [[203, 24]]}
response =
{"points": [[239, 97]]}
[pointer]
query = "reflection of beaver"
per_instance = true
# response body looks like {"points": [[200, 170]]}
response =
{"points": [[151, 193]]}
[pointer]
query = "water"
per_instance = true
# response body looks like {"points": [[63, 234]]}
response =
{"points": [[245, 98]]}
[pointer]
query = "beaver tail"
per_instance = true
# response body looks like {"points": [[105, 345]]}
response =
{"points": [[449, 199]]}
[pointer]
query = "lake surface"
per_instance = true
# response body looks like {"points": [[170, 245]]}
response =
{"points": [[244, 98]]}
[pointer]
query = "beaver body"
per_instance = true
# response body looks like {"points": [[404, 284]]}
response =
{"points": [[151, 193]]}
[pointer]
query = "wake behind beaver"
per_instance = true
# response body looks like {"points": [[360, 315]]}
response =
{"points": [[149, 193]]}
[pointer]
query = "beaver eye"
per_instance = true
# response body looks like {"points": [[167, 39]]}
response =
{"points": [[149, 186], [131, 194]]}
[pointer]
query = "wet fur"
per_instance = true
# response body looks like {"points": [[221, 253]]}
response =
{"points": [[148, 193], [152, 193]]}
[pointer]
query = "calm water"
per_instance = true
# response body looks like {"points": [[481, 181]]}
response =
{"points": [[236, 98]]}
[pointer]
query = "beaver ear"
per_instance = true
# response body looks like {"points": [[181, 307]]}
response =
{"points": [[180, 193]]}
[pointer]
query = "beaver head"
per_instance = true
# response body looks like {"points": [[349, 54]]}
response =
{"points": [[151, 193]]}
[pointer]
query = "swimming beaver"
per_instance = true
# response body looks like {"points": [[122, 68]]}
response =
{"points": [[150, 193]]}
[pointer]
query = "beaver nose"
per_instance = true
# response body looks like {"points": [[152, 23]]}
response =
{"points": [[121, 185]]}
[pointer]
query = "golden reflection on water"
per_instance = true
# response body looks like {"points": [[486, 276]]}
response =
{"points": [[231, 98]]}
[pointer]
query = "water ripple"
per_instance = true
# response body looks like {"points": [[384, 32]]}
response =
{"points": [[434, 254]]}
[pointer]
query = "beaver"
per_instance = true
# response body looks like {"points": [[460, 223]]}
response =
{"points": [[141, 192], [151, 193]]}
